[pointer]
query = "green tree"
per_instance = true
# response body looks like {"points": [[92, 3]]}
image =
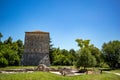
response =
{"points": [[8, 41], [96, 53], [111, 52], [51, 50], [64, 52], [1, 37], [10, 55], [61, 57], [72, 56], [19, 43], [82, 43], [85, 57], [10, 52], [53, 56], [3, 62], [20, 47]]}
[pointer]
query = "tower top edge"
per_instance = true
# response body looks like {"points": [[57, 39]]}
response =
{"points": [[37, 32]]}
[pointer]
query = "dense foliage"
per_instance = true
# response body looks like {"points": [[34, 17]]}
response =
{"points": [[85, 59], [87, 54], [62, 57], [10, 52], [111, 52]]}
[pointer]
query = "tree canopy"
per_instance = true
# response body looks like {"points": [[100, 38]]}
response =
{"points": [[85, 57], [10, 52], [111, 52]]}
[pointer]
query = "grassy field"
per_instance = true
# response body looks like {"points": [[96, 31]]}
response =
{"points": [[116, 71], [50, 76]]}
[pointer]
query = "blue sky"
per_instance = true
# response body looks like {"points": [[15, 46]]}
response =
{"points": [[66, 20]]}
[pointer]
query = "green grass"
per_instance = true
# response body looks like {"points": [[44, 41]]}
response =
{"points": [[50, 76], [116, 71]]}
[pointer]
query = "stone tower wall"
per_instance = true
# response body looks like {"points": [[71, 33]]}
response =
{"points": [[36, 48]]}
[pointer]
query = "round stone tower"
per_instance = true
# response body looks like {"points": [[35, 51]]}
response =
{"points": [[36, 49]]}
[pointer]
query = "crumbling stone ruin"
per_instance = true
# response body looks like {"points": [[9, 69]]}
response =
{"points": [[42, 67], [36, 49], [66, 71]]}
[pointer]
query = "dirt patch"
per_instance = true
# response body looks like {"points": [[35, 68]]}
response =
{"points": [[10, 71]]}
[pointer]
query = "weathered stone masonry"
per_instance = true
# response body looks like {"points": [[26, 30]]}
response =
{"points": [[36, 48]]}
